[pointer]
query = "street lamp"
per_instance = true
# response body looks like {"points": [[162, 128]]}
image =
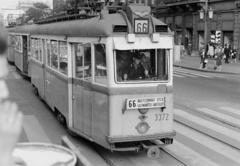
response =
{"points": [[205, 13]]}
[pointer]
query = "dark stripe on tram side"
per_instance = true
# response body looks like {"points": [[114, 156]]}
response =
{"points": [[37, 63], [62, 77], [161, 89]]}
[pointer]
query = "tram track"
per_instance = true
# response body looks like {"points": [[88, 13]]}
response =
{"points": [[122, 159], [105, 158], [208, 136], [176, 158]]}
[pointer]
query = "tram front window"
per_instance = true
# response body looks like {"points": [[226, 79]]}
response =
{"points": [[142, 65]]}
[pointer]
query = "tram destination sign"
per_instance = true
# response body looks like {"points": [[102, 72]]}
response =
{"points": [[141, 26], [143, 103]]}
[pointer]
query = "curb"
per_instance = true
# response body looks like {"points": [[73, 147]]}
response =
{"points": [[81, 159], [209, 71]]}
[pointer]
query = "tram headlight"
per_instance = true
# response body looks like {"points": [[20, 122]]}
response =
{"points": [[142, 127], [143, 111]]}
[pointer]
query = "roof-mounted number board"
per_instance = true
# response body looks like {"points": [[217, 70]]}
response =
{"points": [[141, 26]]}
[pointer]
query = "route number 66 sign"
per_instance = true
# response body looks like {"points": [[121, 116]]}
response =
{"points": [[141, 26]]}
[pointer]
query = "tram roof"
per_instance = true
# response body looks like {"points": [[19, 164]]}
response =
{"points": [[92, 27]]}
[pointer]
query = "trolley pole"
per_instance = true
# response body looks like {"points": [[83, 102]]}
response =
{"points": [[205, 29], [205, 12]]}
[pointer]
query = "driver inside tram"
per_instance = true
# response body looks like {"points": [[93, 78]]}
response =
{"points": [[136, 70]]}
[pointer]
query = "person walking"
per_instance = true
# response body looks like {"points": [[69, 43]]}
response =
{"points": [[219, 57], [227, 53]]}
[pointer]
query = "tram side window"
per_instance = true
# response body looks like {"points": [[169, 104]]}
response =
{"points": [[78, 53], [36, 49], [48, 53], [54, 54], [40, 51], [87, 62], [82, 55], [63, 59], [100, 64], [12, 40], [19, 43], [33, 47], [142, 65]]}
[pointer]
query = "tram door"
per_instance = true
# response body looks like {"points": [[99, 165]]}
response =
{"points": [[82, 78], [25, 54]]}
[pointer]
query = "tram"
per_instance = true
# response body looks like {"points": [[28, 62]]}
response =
{"points": [[109, 77]]}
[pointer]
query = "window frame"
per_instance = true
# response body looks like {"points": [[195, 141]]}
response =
{"points": [[83, 45], [168, 55], [94, 64]]}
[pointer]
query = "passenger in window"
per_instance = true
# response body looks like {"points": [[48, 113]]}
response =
{"points": [[136, 70], [63, 67]]}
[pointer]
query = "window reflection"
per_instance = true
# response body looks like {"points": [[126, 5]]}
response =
{"points": [[54, 54], [100, 64]]}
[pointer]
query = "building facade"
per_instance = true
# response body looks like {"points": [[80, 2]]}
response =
{"points": [[184, 19], [10, 16], [24, 5]]}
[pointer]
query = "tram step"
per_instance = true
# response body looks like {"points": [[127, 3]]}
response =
{"points": [[187, 156], [212, 129], [216, 151]]}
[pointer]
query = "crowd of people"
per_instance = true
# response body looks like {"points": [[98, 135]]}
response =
{"points": [[226, 54]]}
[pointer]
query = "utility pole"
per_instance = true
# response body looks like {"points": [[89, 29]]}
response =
{"points": [[205, 29]]}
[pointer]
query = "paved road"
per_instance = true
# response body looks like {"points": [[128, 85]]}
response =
{"points": [[207, 114], [40, 124], [205, 105], [200, 89]]}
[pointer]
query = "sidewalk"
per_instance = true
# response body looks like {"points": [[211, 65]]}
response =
{"points": [[190, 62]]}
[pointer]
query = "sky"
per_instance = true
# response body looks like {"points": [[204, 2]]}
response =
{"points": [[13, 3]]}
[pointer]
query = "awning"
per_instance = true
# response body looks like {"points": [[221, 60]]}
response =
{"points": [[121, 43]]}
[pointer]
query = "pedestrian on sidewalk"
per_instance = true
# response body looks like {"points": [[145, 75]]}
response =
{"points": [[227, 53], [204, 60], [218, 58], [234, 56]]}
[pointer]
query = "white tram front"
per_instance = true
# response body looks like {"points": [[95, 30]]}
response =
{"points": [[87, 71]]}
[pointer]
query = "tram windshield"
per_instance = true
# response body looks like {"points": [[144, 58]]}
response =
{"points": [[142, 65]]}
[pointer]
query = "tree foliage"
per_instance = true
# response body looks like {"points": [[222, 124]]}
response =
{"points": [[36, 12]]}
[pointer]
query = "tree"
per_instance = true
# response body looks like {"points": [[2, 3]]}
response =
{"points": [[36, 12], [40, 5], [74, 4]]}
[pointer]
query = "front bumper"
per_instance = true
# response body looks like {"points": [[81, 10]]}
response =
{"points": [[120, 139]]}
